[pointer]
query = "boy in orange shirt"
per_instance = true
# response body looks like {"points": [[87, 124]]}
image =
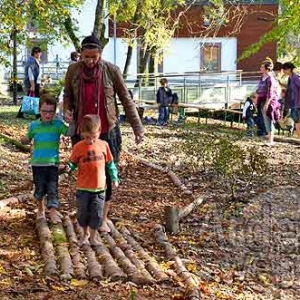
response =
{"points": [[91, 155]]}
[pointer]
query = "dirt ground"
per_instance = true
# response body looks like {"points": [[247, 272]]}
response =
{"points": [[242, 249]]}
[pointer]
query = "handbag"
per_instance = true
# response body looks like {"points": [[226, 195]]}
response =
{"points": [[30, 105]]}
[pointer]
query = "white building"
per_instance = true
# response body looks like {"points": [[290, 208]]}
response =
{"points": [[182, 54]]}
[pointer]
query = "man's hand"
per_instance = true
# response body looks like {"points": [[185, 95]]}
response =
{"points": [[25, 140], [139, 138], [32, 88]]}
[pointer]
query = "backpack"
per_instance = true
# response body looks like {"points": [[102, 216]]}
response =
{"points": [[174, 104], [175, 99]]}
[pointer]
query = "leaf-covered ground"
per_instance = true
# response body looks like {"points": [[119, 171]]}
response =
{"points": [[242, 249]]}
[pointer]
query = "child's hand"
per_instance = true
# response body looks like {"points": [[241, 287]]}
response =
{"points": [[115, 184], [25, 140], [65, 169]]}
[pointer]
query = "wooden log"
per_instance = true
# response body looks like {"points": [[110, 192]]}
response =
{"points": [[47, 250], [190, 207], [150, 263], [94, 268], [191, 282], [79, 267], [172, 219], [61, 246], [15, 142], [21, 188], [15, 200], [127, 249], [111, 268], [170, 173], [128, 267]]}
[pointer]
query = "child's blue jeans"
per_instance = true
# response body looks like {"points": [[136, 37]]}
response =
{"points": [[45, 179], [90, 208], [163, 115], [250, 126]]}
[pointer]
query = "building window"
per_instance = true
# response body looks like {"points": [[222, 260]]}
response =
{"points": [[210, 57]]}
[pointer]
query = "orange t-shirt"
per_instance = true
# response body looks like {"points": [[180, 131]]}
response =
{"points": [[91, 160]]}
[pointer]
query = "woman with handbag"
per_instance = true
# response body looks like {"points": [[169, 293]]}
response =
{"points": [[32, 79]]}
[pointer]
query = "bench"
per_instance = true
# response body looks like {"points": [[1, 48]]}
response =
{"points": [[152, 104]]}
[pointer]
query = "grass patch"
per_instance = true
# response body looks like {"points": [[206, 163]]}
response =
{"points": [[8, 116], [58, 236]]}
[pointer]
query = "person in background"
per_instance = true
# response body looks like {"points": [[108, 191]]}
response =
{"points": [[91, 156], [163, 99], [248, 111], [32, 79], [267, 102], [74, 56], [293, 94], [91, 86]]}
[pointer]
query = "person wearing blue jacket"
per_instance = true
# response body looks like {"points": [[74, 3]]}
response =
{"points": [[164, 97]]}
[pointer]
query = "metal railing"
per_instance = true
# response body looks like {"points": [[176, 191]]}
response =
{"points": [[216, 90]]}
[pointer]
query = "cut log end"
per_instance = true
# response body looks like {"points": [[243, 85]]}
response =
{"points": [[172, 219]]}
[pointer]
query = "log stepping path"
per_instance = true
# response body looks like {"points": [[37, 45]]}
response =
{"points": [[119, 257]]}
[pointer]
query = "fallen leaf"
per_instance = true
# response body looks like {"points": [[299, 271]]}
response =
{"points": [[2, 270], [59, 288], [75, 282], [6, 282]]}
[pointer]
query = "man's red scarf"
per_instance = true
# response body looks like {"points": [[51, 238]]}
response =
{"points": [[92, 97]]}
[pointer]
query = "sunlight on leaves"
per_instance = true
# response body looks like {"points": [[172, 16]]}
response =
{"points": [[78, 283], [2, 270]]}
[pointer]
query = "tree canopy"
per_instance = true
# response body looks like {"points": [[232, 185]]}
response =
{"points": [[49, 18]]}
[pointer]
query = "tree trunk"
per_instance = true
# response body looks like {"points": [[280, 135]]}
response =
{"points": [[151, 68], [135, 18], [144, 58], [99, 25], [71, 33], [128, 61], [15, 69]]}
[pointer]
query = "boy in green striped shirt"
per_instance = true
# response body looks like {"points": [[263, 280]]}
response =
{"points": [[45, 134]]}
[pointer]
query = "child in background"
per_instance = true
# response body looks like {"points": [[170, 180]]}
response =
{"points": [[45, 134], [91, 156], [164, 97], [248, 111]]}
